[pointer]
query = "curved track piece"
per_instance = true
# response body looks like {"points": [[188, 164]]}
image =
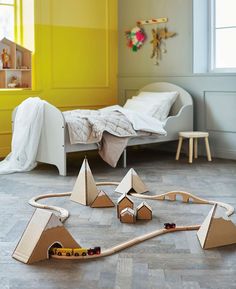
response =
{"points": [[186, 197], [129, 243], [63, 213]]}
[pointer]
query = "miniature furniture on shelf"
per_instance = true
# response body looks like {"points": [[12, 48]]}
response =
{"points": [[131, 182], [102, 201], [193, 137], [127, 215], [16, 65], [85, 190], [54, 142], [124, 202], [144, 212], [43, 232], [215, 232]]}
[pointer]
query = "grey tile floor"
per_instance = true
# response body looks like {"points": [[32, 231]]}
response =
{"points": [[170, 261]]}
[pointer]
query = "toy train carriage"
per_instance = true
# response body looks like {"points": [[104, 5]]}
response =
{"points": [[169, 226], [75, 251]]}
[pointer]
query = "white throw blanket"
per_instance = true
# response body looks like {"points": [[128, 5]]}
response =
{"points": [[26, 136], [140, 122]]}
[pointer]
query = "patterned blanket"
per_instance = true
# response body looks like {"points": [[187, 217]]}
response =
{"points": [[88, 126]]}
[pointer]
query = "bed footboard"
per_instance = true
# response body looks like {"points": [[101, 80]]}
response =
{"points": [[52, 141]]}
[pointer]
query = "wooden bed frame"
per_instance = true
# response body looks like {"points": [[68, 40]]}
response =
{"points": [[55, 144]]}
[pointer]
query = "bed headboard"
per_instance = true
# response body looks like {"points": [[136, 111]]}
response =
{"points": [[184, 97]]}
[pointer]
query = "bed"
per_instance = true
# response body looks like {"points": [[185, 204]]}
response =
{"points": [[55, 144]]}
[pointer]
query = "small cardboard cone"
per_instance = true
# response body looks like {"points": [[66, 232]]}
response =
{"points": [[131, 181]]}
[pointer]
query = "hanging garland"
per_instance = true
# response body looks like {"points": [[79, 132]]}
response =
{"points": [[135, 38]]}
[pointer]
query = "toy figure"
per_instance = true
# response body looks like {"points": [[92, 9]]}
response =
{"points": [[5, 58], [14, 82], [157, 42]]}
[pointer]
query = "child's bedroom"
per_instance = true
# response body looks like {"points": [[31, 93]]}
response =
{"points": [[117, 144]]}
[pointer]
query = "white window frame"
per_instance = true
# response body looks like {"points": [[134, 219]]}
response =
{"points": [[212, 42]]}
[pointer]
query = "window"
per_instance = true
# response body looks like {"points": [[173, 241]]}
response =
{"points": [[214, 36], [7, 19], [223, 32]]}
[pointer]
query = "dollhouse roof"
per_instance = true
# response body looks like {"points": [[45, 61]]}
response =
{"points": [[122, 197], [9, 43], [144, 204], [127, 211]]}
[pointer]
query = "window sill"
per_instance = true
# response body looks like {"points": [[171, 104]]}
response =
{"points": [[214, 74], [20, 91]]}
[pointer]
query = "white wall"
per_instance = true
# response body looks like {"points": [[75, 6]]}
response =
{"points": [[214, 95]]}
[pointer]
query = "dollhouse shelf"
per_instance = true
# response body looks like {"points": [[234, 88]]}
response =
{"points": [[20, 66]]}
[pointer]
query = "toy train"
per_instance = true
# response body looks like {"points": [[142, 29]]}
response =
{"points": [[75, 252], [169, 226]]}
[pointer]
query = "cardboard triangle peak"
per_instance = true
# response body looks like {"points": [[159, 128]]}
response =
{"points": [[85, 189], [43, 231], [215, 232], [131, 181], [102, 201]]}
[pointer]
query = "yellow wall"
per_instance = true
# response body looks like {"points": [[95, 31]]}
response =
{"points": [[75, 57]]}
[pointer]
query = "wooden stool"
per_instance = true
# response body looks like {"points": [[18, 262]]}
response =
{"points": [[193, 138]]}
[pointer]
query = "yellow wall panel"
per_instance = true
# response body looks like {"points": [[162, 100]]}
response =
{"points": [[81, 59], [74, 45]]}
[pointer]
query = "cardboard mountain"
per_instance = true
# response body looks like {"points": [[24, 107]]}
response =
{"points": [[102, 201], [131, 181], [216, 232], [85, 190], [43, 231]]}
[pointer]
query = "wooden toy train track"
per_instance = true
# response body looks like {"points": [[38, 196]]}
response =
{"points": [[171, 196], [46, 232], [127, 244]]}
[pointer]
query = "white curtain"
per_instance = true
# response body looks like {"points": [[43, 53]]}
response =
{"points": [[26, 135]]}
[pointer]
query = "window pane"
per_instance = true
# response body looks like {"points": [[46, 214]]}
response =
{"points": [[6, 1], [225, 13], [7, 22], [225, 48]]}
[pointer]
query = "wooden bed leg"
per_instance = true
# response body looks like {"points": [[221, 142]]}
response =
{"points": [[62, 166], [124, 159]]}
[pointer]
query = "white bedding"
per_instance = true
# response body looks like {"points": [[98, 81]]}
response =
{"points": [[88, 126], [110, 127]]}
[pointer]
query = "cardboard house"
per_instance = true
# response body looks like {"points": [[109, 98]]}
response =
{"points": [[102, 201], [124, 202], [131, 182], [215, 232], [85, 190], [43, 232], [144, 212], [127, 215]]}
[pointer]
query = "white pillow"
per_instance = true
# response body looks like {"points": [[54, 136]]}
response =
{"points": [[163, 102], [141, 106]]}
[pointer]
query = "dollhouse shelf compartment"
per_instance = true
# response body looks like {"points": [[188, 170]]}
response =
{"points": [[19, 73]]}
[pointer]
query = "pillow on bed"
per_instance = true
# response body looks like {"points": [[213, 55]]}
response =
{"points": [[141, 107], [163, 102]]}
